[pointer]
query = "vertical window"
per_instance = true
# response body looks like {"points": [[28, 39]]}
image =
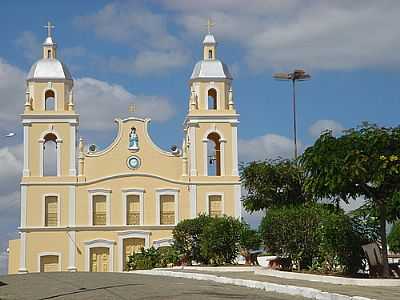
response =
{"points": [[99, 210], [49, 100], [167, 209], [214, 154], [210, 54], [49, 54], [51, 209], [50, 155], [215, 205], [133, 210], [212, 99]]}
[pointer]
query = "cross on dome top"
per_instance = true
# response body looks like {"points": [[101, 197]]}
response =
{"points": [[209, 25], [49, 27]]}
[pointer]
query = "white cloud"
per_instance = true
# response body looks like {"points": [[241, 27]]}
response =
{"points": [[314, 35], [10, 171], [269, 146], [320, 126], [29, 44], [99, 103]]}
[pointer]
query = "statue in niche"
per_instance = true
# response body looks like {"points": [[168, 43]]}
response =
{"points": [[133, 140]]}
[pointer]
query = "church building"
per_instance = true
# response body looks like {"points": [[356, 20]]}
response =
{"points": [[85, 209]]}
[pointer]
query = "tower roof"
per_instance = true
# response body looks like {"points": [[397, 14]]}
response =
{"points": [[209, 39], [208, 69]]}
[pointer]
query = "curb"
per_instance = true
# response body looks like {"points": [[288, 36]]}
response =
{"points": [[305, 292]]}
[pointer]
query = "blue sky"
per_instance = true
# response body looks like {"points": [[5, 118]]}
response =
{"points": [[143, 52]]}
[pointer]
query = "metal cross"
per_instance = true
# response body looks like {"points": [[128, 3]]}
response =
{"points": [[209, 25], [131, 108], [49, 27]]}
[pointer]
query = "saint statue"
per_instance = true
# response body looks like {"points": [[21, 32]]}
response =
{"points": [[133, 140]]}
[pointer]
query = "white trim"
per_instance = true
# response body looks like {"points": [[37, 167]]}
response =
{"points": [[125, 194], [58, 145], [212, 130], [130, 234], [238, 202], [28, 119], [102, 192], [44, 208], [42, 141], [41, 254], [72, 205], [208, 202], [163, 242], [72, 251], [192, 150], [222, 156], [72, 149], [96, 243], [193, 200], [235, 163], [95, 228], [167, 191], [26, 171], [23, 205], [205, 157], [22, 254], [49, 88]]}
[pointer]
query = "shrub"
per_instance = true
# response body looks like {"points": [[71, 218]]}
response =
{"points": [[394, 238], [219, 241], [249, 240], [314, 235], [187, 238], [153, 258]]}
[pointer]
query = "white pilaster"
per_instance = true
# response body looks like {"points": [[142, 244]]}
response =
{"points": [[192, 137], [41, 158], [26, 171], [222, 156], [71, 205], [23, 205], [235, 168], [59, 142], [238, 202], [72, 150], [72, 251], [22, 254], [193, 200], [205, 157]]}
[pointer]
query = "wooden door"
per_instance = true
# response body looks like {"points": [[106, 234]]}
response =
{"points": [[132, 245], [49, 263], [99, 259]]}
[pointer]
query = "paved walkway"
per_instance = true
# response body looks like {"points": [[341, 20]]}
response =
{"points": [[107, 286], [380, 293]]}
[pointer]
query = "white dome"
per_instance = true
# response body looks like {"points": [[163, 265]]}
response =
{"points": [[211, 69], [49, 69]]}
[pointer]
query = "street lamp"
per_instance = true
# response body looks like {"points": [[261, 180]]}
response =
{"points": [[296, 75]]}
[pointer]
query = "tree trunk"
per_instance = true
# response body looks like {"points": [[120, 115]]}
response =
{"points": [[382, 222]]}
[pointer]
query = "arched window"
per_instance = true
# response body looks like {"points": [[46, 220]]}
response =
{"points": [[214, 154], [212, 99], [50, 155], [210, 54], [49, 54], [49, 99]]}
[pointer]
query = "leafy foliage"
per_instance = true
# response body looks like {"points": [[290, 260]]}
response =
{"points": [[364, 162], [153, 258], [219, 241], [315, 235], [394, 238], [187, 238], [272, 183]]}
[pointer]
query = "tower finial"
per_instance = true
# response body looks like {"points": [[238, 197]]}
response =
{"points": [[49, 27], [209, 25]]}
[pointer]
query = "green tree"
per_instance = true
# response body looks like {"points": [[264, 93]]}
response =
{"points": [[249, 240], [363, 162], [394, 238], [272, 183]]}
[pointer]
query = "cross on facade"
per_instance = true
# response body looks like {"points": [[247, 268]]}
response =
{"points": [[49, 28], [209, 25], [131, 108]]}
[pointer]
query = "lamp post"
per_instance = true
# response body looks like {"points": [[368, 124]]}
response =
{"points": [[296, 75]]}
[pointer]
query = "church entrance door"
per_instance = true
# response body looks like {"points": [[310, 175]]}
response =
{"points": [[131, 245], [99, 259]]}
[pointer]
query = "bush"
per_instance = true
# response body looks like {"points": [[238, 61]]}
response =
{"points": [[394, 238], [187, 238], [153, 258], [219, 241], [249, 240], [313, 236]]}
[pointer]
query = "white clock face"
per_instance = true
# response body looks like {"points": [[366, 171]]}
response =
{"points": [[133, 162]]}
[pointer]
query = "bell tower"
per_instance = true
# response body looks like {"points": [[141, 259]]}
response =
{"points": [[211, 123]]}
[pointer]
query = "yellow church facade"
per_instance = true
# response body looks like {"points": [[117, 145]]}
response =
{"points": [[88, 209]]}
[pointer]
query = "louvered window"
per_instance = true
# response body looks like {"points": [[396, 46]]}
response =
{"points": [[215, 205], [167, 209], [99, 210], [133, 210], [51, 218]]}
